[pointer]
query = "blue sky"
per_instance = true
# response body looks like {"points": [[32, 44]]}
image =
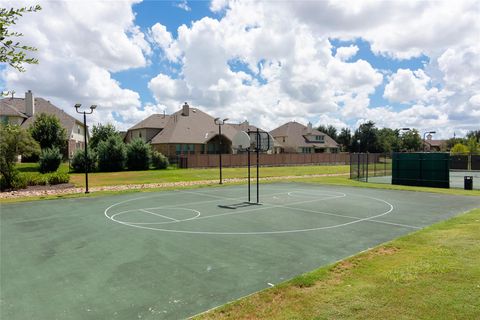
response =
{"points": [[270, 62]]}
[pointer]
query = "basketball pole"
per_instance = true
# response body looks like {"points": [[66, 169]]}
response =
{"points": [[258, 161], [248, 166]]}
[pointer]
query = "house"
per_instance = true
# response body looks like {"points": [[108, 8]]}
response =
{"points": [[23, 112], [187, 131], [434, 145], [294, 137], [148, 128]]}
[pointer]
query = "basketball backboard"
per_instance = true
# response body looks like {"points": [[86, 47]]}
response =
{"points": [[261, 140], [241, 141]]}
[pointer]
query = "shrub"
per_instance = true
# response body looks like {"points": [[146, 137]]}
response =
{"points": [[50, 160], [35, 178], [78, 161], [159, 161], [57, 178], [111, 154], [19, 182], [138, 155]]}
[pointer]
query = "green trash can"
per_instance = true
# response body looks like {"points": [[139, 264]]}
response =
{"points": [[468, 182]]}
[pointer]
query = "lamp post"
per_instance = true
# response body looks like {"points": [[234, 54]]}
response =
{"points": [[428, 132], [92, 107], [220, 123]]}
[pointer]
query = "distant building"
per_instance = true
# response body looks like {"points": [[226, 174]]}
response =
{"points": [[187, 131], [148, 128], [434, 145], [294, 137], [23, 112]]}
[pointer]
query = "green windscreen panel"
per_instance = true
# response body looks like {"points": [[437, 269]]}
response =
{"points": [[421, 169]]}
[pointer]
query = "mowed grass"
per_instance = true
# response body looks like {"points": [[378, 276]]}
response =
{"points": [[179, 175], [430, 274]]}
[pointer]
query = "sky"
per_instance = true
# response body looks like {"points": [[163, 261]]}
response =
{"points": [[399, 64]]}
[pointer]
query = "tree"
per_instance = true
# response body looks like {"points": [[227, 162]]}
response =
{"points": [[367, 133], [473, 144], [389, 140], [345, 139], [459, 149], [77, 164], [331, 131], [102, 132], [12, 52], [111, 154], [14, 141], [139, 155], [411, 141], [474, 133], [49, 132], [453, 141]]}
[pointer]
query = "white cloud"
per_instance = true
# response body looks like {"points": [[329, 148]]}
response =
{"points": [[346, 53], [268, 62], [409, 86], [183, 4], [79, 45], [161, 35]]}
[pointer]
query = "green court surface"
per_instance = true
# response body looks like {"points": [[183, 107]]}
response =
{"points": [[171, 255]]}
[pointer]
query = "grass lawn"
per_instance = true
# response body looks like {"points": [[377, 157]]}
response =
{"points": [[178, 175], [430, 274]]}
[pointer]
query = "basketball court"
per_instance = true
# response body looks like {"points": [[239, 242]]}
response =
{"points": [[171, 255]]}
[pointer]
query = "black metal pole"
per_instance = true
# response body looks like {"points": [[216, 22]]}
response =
{"points": [[248, 152], [358, 166], [258, 162], [367, 167], [220, 149], [86, 150]]}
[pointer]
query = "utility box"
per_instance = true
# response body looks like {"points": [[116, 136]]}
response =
{"points": [[468, 182]]}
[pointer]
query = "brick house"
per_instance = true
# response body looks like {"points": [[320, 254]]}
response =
{"points": [[23, 112]]}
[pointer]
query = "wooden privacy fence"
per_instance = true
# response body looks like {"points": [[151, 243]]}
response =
{"points": [[281, 159]]}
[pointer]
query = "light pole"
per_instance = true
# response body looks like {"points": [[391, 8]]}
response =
{"points": [[220, 123], [92, 107], [428, 132]]}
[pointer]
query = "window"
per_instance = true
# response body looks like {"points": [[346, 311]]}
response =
{"points": [[320, 138], [4, 119], [306, 150], [178, 149], [78, 129]]}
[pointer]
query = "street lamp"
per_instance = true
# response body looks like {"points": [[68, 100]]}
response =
{"points": [[220, 123], [92, 107], [428, 132]]}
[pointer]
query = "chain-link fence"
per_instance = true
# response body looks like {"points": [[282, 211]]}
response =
{"points": [[365, 166]]}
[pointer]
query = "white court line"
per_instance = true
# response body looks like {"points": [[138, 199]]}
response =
{"points": [[260, 232], [176, 206], [368, 219], [141, 223], [159, 215]]}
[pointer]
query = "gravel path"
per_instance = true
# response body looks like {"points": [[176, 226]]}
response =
{"points": [[68, 189]]}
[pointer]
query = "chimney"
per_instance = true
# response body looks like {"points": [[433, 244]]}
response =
{"points": [[186, 110], [29, 103], [309, 128]]}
